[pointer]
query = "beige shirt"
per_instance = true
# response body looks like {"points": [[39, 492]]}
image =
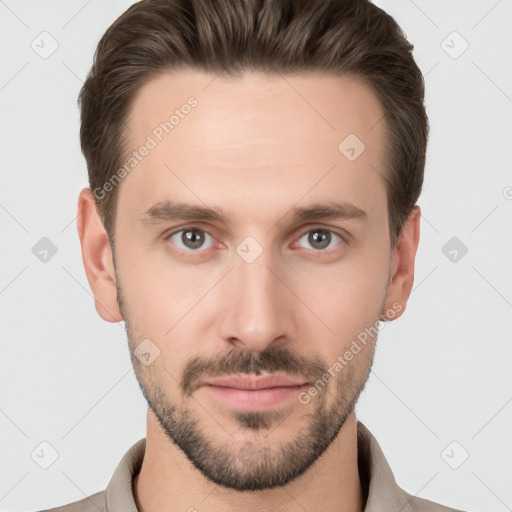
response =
{"points": [[379, 487]]}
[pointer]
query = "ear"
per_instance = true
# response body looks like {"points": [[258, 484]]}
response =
{"points": [[97, 257], [402, 267]]}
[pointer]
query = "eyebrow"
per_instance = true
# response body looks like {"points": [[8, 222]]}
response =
{"points": [[166, 211]]}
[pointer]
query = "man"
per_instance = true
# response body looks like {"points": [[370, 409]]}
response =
{"points": [[254, 169]]}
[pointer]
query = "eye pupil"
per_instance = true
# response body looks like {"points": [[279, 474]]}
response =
{"points": [[191, 239], [321, 237]]}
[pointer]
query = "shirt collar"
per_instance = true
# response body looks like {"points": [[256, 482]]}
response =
{"points": [[379, 486]]}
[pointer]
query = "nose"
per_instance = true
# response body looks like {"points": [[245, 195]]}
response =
{"points": [[259, 309]]}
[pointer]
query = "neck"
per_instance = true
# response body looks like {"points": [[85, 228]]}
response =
{"points": [[168, 480]]}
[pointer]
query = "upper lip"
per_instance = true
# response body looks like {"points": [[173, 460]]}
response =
{"points": [[252, 382]]}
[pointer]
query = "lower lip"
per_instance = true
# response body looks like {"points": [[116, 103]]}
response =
{"points": [[255, 399]]}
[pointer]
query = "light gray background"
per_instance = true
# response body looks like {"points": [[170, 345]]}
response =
{"points": [[442, 372]]}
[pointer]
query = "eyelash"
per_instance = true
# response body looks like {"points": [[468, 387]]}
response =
{"points": [[315, 252]]}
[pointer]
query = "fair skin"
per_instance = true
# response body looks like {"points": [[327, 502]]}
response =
{"points": [[255, 150]]}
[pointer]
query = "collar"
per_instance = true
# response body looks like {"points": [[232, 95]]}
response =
{"points": [[379, 486]]}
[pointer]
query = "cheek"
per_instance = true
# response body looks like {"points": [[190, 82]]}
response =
{"points": [[162, 301], [348, 299], [156, 289]]}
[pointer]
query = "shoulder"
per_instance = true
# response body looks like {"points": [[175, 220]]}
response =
{"points": [[93, 503], [415, 504]]}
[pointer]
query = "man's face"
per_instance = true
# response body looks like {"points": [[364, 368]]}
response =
{"points": [[262, 291]]}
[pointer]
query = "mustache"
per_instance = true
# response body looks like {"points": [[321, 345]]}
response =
{"points": [[239, 361]]}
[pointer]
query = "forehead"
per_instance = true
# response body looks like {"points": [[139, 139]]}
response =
{"points": [[259, 104], [255, 136]]}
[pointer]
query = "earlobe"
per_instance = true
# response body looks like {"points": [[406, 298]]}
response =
{"points": [[97, 257], [402, 267]]}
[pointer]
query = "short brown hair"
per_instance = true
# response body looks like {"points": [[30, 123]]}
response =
{"points": [[276, 36]]}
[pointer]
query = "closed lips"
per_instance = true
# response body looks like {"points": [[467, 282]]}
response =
{"points": [[255, 383]]}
